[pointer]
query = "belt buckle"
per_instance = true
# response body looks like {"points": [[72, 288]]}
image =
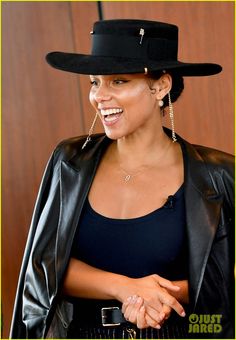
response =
{"points": [[104, 317]]}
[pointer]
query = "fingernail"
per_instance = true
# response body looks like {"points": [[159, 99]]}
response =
{"points": [[129, 298], [183, 313], [158, 327], [139, 299]]}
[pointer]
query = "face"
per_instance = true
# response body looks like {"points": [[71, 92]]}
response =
{"points": [[125, 103]]}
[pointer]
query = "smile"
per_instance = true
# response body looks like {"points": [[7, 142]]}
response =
{"points": [[109, 112], [111, 115]]}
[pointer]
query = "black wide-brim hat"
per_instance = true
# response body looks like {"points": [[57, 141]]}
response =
{"points": [[131, 46]]}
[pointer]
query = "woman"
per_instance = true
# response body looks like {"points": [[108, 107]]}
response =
{"points": [[133, 230]]}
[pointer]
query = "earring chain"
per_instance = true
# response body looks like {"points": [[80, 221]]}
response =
{"points": [[88, 139], [171, 113]]}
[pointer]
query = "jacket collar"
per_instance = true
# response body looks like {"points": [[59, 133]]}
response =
{"points": [[201, 200]]}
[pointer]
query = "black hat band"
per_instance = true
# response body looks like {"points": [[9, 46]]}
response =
{"points": [[132, 47]]}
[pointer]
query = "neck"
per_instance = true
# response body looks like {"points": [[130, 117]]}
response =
{"points": [[137, 151]]}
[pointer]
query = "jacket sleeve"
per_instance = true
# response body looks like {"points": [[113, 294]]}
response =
{"points": [[218, 287], [38, 292], [18, 328]]}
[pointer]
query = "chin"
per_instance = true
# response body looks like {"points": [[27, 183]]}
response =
{"points": [[114, 135]]}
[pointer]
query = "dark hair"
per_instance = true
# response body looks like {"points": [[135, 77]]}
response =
{"points": [[177, 86]]}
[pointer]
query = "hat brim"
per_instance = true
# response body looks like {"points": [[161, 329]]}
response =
{"points": [[99, 65]]}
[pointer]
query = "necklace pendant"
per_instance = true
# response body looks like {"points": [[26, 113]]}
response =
{"points": [[127, 178]]}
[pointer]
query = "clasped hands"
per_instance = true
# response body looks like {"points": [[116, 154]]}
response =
{"points": [[147, 301], [153, 302]]}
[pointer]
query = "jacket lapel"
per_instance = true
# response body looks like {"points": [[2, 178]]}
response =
{"points": [[203, 206], [76, 176]]}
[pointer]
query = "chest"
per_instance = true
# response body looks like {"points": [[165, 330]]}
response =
{"points": [[114, 196]]}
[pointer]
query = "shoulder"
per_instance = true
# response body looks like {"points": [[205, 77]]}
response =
{"points": [[216, 160], [220, 167], [213, 159], [215, 165]]}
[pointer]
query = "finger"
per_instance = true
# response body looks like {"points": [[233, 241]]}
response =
{"points": [[158, 317], [141, 321], [152, 323], [166, 311], [135, 310], [167, 284], [126, 303], [130, 306], [170, 301]]}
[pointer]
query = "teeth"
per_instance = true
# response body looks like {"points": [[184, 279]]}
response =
{"points": [[110, 111], [110, 118]]}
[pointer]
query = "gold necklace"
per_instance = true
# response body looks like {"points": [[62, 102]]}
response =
{"points": [[128, 176]]}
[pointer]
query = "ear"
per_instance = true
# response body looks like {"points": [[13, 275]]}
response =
{"points": [[162, 86]]}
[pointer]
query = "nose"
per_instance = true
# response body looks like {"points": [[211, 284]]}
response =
{"points": [[102, 93]]}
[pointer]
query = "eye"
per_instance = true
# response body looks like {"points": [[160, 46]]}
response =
{"points": [[119, 81], [93, 82]]}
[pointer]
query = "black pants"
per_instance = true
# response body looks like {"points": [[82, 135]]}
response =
{"points": [[87, 324], [169, 330]]}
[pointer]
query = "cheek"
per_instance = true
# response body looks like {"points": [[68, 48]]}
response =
{"points": [[138, 92], [92, 99], [140, 99]]}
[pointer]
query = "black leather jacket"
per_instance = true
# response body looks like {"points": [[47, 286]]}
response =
{"points": [[40, 311]]}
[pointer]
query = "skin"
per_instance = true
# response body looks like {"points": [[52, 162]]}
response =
{"points": [[141, 148], [111, 91]]}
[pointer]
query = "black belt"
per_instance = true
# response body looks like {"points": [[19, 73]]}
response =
{"points": [[112, 316], [105, 318], [88, 313], [109, 322]]}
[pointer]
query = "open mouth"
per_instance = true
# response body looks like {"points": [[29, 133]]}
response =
{"points": [[111, 115]]}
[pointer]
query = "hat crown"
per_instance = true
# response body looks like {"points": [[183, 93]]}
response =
{"points": [[131, 27], [131, 46], [135, 39]]}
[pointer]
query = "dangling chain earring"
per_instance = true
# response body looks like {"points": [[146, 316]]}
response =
{"points": [[171, 114], [88, 139]]}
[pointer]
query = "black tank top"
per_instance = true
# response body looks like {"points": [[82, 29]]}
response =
{"points": [[136, 247]]}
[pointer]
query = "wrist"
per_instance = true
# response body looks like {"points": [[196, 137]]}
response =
{"points": [[121, 287]]}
